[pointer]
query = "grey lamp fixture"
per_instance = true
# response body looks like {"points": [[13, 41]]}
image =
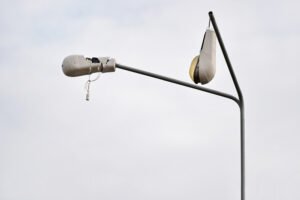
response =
{"points": [[202, 69]]}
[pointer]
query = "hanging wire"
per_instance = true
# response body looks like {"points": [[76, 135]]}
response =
{"points": [[88, 83], [87, 88]]}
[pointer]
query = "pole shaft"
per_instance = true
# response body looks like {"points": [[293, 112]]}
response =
{"points": [[242, 151]]}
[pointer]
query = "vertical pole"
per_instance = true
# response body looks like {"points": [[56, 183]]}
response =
{"points": [[242, 126], [241, 103]]}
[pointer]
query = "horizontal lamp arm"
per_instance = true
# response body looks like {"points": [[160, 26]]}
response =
{"points": [[178, 82]]}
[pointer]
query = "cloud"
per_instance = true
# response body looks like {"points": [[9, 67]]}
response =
{"points": [[138, 136]]}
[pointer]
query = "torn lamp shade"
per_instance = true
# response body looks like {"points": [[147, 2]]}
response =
{"points": [[203, 66]]}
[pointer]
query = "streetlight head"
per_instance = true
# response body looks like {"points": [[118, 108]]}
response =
{"points": [[78, 65], [203, 66]]}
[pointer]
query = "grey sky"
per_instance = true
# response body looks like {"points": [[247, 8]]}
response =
{"points": [[140, 138]]}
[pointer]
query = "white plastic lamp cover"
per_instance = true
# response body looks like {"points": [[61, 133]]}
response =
{"points": [[78, 65], [203, 66]]}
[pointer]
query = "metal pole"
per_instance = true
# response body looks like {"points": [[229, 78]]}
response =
{"points": [[241, 102], [242, 150]]}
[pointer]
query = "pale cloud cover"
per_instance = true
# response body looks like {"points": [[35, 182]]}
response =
{"points": [[140, 138]]}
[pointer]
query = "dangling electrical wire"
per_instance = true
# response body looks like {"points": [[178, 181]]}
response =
{"points": [[88, 83]]}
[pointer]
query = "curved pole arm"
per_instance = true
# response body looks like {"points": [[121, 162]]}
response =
{"points": [[232, 74]]}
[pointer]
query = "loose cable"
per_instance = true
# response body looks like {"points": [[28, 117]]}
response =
{"points": [[88, 83]]}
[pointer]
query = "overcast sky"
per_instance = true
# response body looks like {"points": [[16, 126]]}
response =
{"points": [[141, 138]]}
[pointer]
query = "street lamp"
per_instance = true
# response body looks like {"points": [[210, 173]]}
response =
{"points": [[77, 65]]}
